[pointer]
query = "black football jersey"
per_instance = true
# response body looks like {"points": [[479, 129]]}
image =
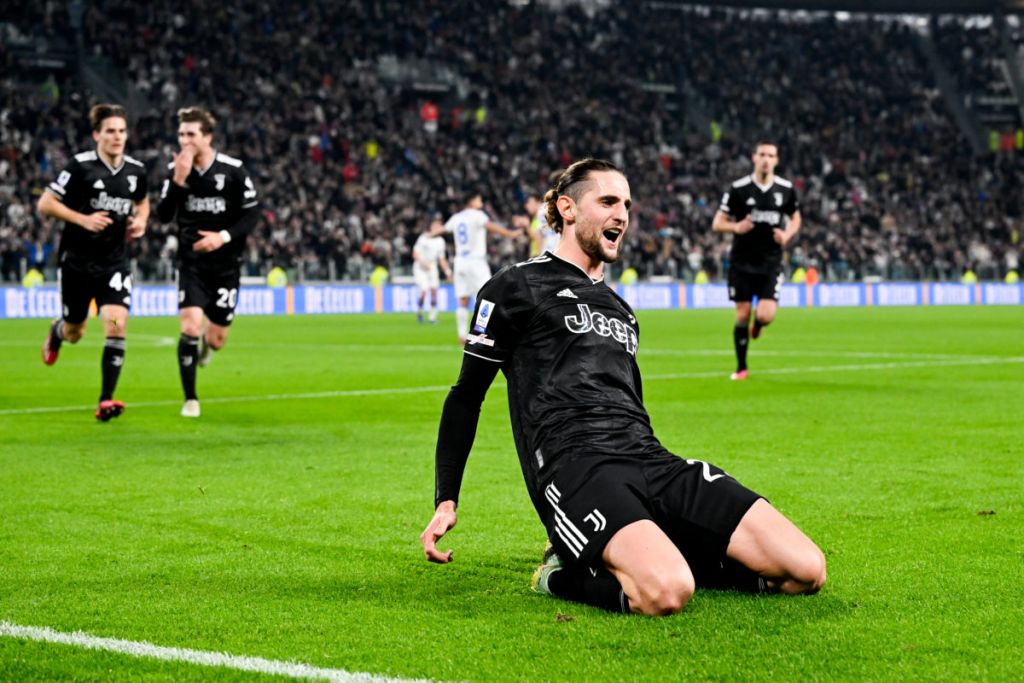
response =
{"points": [[567, 347], [214, 199], [756, 251], [87, 185]]}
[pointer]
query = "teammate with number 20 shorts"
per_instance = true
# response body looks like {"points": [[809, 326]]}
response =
{"points": [[214, 202]]}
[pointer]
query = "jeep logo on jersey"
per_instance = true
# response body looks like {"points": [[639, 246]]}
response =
{"points": [[483, 316], [769, 217], [206, 204], [593, 321], [117, 205]]}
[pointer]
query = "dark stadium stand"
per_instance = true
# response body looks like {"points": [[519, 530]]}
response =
{"points": [[322, 100]]}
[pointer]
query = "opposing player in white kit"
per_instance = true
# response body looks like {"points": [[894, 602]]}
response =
{"points": [[470, 227], [428, 254]]}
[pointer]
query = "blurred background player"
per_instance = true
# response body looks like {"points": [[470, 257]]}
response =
{"points": [[755, 210], [101, 197], [542, 236], [214, 202], [470, 227], [428, 253]]}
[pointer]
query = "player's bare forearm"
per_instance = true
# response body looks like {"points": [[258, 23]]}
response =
{"points": [[209, 240], [502, 230], [784, 237], [138, 222]]}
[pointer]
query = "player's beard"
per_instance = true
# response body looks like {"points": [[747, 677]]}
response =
{"points": [[589, 241]]}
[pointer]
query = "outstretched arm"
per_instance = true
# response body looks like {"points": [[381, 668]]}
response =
{"points": [[502, 230], [454, 440]]}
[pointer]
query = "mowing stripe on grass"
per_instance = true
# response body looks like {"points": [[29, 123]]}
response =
{"points": [[199, 657], [708, 374]]}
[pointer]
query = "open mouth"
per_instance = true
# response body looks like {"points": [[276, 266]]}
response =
{"points": [[612, 234]]}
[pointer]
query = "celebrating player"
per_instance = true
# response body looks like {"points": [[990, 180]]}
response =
{"points": [[470, 227], [428, 254], [101, 197], [755, 209], [214, 201], [632, 526]]}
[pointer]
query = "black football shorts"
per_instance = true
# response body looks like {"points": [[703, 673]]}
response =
{"points": [[590, 498], [79, 286], [744, 285], [213, 290]]}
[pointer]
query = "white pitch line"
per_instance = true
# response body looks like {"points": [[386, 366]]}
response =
{"points": [[984, 360], [243, 399], [135, 648], [813, 369]]}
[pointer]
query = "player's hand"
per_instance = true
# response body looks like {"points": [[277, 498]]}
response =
{"points": [[183, 164], [136, 228], [444, 519], [208, 241], [744, 226], [520, 221], [96, 222], [779, 236]]}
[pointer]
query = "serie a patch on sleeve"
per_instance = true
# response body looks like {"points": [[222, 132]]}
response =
{"points": [[483, 316]]}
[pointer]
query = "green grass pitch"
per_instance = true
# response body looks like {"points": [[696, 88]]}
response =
{"points": [[284, 522]]}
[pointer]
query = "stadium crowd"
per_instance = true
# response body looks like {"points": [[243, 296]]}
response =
{"points": [[362, 119]]}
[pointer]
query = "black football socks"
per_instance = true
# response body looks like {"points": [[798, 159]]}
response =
{"points": [[740, 336], [113, 360], [597, 588], [188, 359]]}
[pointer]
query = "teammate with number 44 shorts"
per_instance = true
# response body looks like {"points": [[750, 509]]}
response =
{"points": [[101, 197], [214, 202]]}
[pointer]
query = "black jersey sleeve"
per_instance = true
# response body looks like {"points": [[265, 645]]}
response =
{"points": [[792, 204], [69, 185], [245, 198], [503, 309], [457, 430], [732, 203], [141, 186], [171, 196]]}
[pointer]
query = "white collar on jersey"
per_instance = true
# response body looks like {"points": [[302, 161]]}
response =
{"points": [[763, 188], [574, 265], [113, 171]]}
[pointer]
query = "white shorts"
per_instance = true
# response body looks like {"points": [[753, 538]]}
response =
{"points": [[470, 276], [426, 278]]}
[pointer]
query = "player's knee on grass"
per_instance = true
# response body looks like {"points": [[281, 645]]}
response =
{"points": [[807, 573], [664, 594]]}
